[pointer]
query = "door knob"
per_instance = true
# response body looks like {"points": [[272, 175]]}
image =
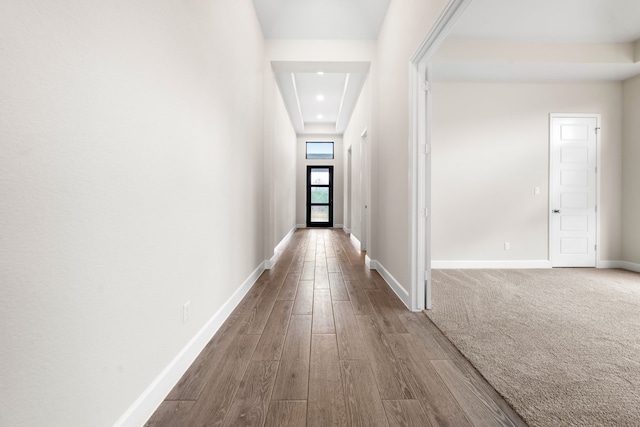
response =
{"points": [[556, 211]]}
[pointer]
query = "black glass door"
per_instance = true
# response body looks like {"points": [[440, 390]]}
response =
{"points": [[319, 196]]}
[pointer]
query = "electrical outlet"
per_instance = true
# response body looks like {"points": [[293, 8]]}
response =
{"points": [[536, 191], [186, 311], [507, 246]]}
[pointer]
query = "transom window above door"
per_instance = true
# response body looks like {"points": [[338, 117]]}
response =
{"points": [[319, 150]]}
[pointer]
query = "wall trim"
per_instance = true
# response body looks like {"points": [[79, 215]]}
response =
{"points": [[369, 263], [395, 286], [608, 264], [419, 161], [268, 264], [631, 266], [486, 264], [334, 226], [356, 242], [624, 265], [151, 398], [523, 264]]}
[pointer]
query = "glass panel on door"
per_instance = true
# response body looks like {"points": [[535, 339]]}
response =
{"points": [[320, 176], [319, 195], [319, 213]]}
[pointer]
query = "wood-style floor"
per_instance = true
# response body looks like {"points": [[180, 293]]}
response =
{"points": [[322, 341]]}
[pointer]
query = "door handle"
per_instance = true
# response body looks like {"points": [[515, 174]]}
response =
{"points": [[556, 211]]}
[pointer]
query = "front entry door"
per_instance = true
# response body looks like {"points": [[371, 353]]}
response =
{"points": [[573, 191], [319, 196]]}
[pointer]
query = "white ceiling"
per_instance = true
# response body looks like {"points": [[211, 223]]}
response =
{"points": [[320, 96], [339, 86], [321, 19], [565, 26], [341, 83], [584, 21], [562, 31]]}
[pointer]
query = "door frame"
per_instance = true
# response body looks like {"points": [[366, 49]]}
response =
{"points": [[364, 206], [308, 192], [348, 186], [420, 157], [598, 175]]}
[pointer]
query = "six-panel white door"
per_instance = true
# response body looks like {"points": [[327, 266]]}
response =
{"points": [[573, 191]]}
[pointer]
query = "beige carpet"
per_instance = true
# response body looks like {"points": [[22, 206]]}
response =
{"points": [[562, 345]]}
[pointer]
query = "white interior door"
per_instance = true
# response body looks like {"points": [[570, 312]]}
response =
{"points": [[573, 187]]}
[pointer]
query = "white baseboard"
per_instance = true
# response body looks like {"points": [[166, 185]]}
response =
{"points": [[334, 226], [395, 286], [505, 264], [625, 265], [369, 263], [142, 409], [631, 266], [524, 264], [609, 264], [346, 230], [355, 241], [268, 264]]}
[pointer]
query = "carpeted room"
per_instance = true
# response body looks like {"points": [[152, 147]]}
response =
{"points": [[561, 345]]}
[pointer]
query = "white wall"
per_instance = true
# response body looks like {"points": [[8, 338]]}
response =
{"points": [[280, 156], [130, 182], [352, 138], [631, 171], [406, 25], [490, 145], [338, 176]]}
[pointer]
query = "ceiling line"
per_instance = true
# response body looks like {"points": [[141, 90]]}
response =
{"points": [[295, 91], [344, 94]]}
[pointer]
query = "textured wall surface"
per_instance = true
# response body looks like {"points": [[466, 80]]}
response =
{"points": [[130, 182], [631, 171], [360, 120], [491, 148], [405, 27], [280, 166]]}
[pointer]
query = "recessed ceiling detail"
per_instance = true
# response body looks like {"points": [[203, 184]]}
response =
{"points": [[326, 98], [332, 87], [339, 83]]}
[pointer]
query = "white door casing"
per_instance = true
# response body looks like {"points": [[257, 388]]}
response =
{"points": [[364, 244], [419, 159], [573, 190], [348, 220]]}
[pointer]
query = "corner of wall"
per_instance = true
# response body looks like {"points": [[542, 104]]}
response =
{"points": [[142, 409], [395, 286], [268, 264]]}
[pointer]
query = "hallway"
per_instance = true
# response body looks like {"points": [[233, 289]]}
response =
{"points": [[322, 341]]}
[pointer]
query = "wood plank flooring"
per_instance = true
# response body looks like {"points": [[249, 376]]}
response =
{"points": [[320, 340]]}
